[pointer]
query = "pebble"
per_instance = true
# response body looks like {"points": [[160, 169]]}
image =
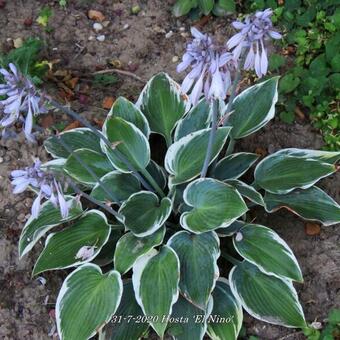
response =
{"points": [[126, 26], [91, 38], [184, 34], [106, 23], [97, 26], [182, 29], [101, 37], [169, 34], [1, 159], [175, 59]]}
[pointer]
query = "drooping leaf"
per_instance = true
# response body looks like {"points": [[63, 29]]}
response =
{"points": [[183, 7], [206, 6], [184, 159], [231, 230], [163, 104], [157, 272], [311, 204], [197, 118], [143, 213], [253, 108], [128, 111], [234, 165], [266, 297], [79, 138], [198, 256], [86, 301], [95, 161], [214, 205], [247, 191], [127, 140], [49, 217], [128, 322], [268, 251], [62, 249], [225, 321], [130, 247], [121, 185], [280, 173], [191, 324]]}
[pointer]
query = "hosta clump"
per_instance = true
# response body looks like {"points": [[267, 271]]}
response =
{"points": [[164, 246]]}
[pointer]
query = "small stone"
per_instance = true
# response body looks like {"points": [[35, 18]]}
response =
{"points": [[97, 26], [175, 59], [169, 34], [106, 23], [182, 29], [101, 38], [239, 237], [184, 34], [91, 38], [18, 42], [1, 159], [126, 26], [316, 325], [95, 15]]}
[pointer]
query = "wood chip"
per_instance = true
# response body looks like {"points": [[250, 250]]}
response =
{"points": [[96, 15], [108, 102], [312, 229]]}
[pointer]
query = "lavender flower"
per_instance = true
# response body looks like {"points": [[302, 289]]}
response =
{"points": [[253, 33], [210, 68], [22, 97], [42, 182]]}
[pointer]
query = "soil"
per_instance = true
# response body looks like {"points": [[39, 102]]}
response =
{"points": [[143, 45]]}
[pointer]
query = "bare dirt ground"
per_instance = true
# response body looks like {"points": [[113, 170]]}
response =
{"points": [[144, 46]]}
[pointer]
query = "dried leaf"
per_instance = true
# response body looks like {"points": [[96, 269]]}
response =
{"points": [[312, 229], [108, 102]]}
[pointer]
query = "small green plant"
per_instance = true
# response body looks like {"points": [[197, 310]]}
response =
{"points": [[63, 3], [27, 59], [312, 76], [44, 16], [331, 331], [217, 7], [105, 79]]}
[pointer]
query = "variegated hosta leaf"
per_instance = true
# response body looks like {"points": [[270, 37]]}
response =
{"points": [[121, 185], [49, 217], [280, 173], [184, 159], [214, 205], [226, 318], [96, 161], [329, 157], [130, 112], [234, 165], [163, 104], [127, 140], [191, 322], [86, 301], [80, 138], [130, 247], [183, 7], [157, 173], [155, 281], [253, 108], [246, 191], [268, 251], [75, 245], [128, 322], [310, 204], [143, 213], [198, 256], [198, 118], [266, 297]]}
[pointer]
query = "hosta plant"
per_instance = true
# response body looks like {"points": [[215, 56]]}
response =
{"points": [[167, 243]]}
